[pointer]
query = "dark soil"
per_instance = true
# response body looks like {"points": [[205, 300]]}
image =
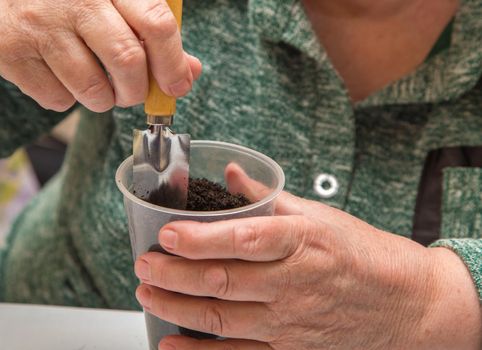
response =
{"points": [[205, 195], [163, 196]]}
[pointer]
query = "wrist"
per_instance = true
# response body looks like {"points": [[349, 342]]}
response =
{"points": [[453, 319]]}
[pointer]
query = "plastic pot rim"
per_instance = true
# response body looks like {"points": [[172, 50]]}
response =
{"points": [[127, 163]]}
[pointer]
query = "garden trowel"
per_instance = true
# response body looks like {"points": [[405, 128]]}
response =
{"points": [[161, 157]]}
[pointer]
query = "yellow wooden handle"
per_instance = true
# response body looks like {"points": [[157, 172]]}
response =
{"points": [[157, 102]]}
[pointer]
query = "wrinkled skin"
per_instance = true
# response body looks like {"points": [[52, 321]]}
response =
{"points": [[311, 277], [51, 51]]}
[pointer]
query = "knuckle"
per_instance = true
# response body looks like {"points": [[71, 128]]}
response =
{"points": [[48, 45], [160, 22], [301, 233], [247, 240], [86, 12], [94, 87], [128, 55], [30, 16], [90, 17], [217, 280], [84, 19], [283, 282], [278, 323], [159, 307], [212, 320], [159, 275]]}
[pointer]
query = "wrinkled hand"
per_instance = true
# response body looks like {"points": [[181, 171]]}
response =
{"points": [[50, 50], [312, 277]]}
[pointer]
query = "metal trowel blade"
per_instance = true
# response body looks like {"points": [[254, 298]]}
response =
{"points": [[161, 166]]}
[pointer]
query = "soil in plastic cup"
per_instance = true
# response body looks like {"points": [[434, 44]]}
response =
{"points": [[208, 160]]}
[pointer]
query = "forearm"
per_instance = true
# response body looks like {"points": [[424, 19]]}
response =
{"points": [[454, 321]]}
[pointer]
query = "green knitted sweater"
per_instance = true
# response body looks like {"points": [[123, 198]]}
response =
{"points": [[269, 85]]}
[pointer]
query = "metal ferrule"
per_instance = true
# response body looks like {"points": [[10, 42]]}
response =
{"points": [[160, 119]]}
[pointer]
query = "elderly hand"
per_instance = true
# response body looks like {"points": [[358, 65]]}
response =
{"points": [[50, 50], [312, 277]]}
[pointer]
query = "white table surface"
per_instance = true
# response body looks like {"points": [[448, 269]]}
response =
{"points": [[36, 327]]}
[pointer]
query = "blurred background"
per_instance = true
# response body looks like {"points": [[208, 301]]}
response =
{"points": [[26, 171]]}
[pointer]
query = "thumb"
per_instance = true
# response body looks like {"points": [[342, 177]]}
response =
{"points": [[239, 182]]}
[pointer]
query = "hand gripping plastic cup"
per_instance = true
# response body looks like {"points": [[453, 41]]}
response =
{"points": [[208, 160]]}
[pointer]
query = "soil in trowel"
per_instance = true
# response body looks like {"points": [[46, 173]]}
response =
{"points": [[205, 195]]}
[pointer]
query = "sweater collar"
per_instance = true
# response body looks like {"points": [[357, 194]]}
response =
{"points": [[285, 21], [446, 76], [449, 74]]}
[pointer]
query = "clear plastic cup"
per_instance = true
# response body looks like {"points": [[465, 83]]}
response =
{"points": [[208, 160]]}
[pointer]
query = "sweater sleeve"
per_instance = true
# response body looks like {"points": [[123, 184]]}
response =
{"points": [[470, 251], [22, 120]]}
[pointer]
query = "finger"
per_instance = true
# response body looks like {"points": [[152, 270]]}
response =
{"points": [[179, 342], [251, 239], [35, 79], [227, 280], [240, 182], [157, 26], [77, 68], [195, 65], [115, 44], [223, 318]]}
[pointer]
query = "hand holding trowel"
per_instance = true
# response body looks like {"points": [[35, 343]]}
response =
{"points": [[161, 158]]}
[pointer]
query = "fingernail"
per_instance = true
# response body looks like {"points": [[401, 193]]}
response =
{"points": [[180, 88], [143, 270], [166, 347], [168, 239], [144, 295]]}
